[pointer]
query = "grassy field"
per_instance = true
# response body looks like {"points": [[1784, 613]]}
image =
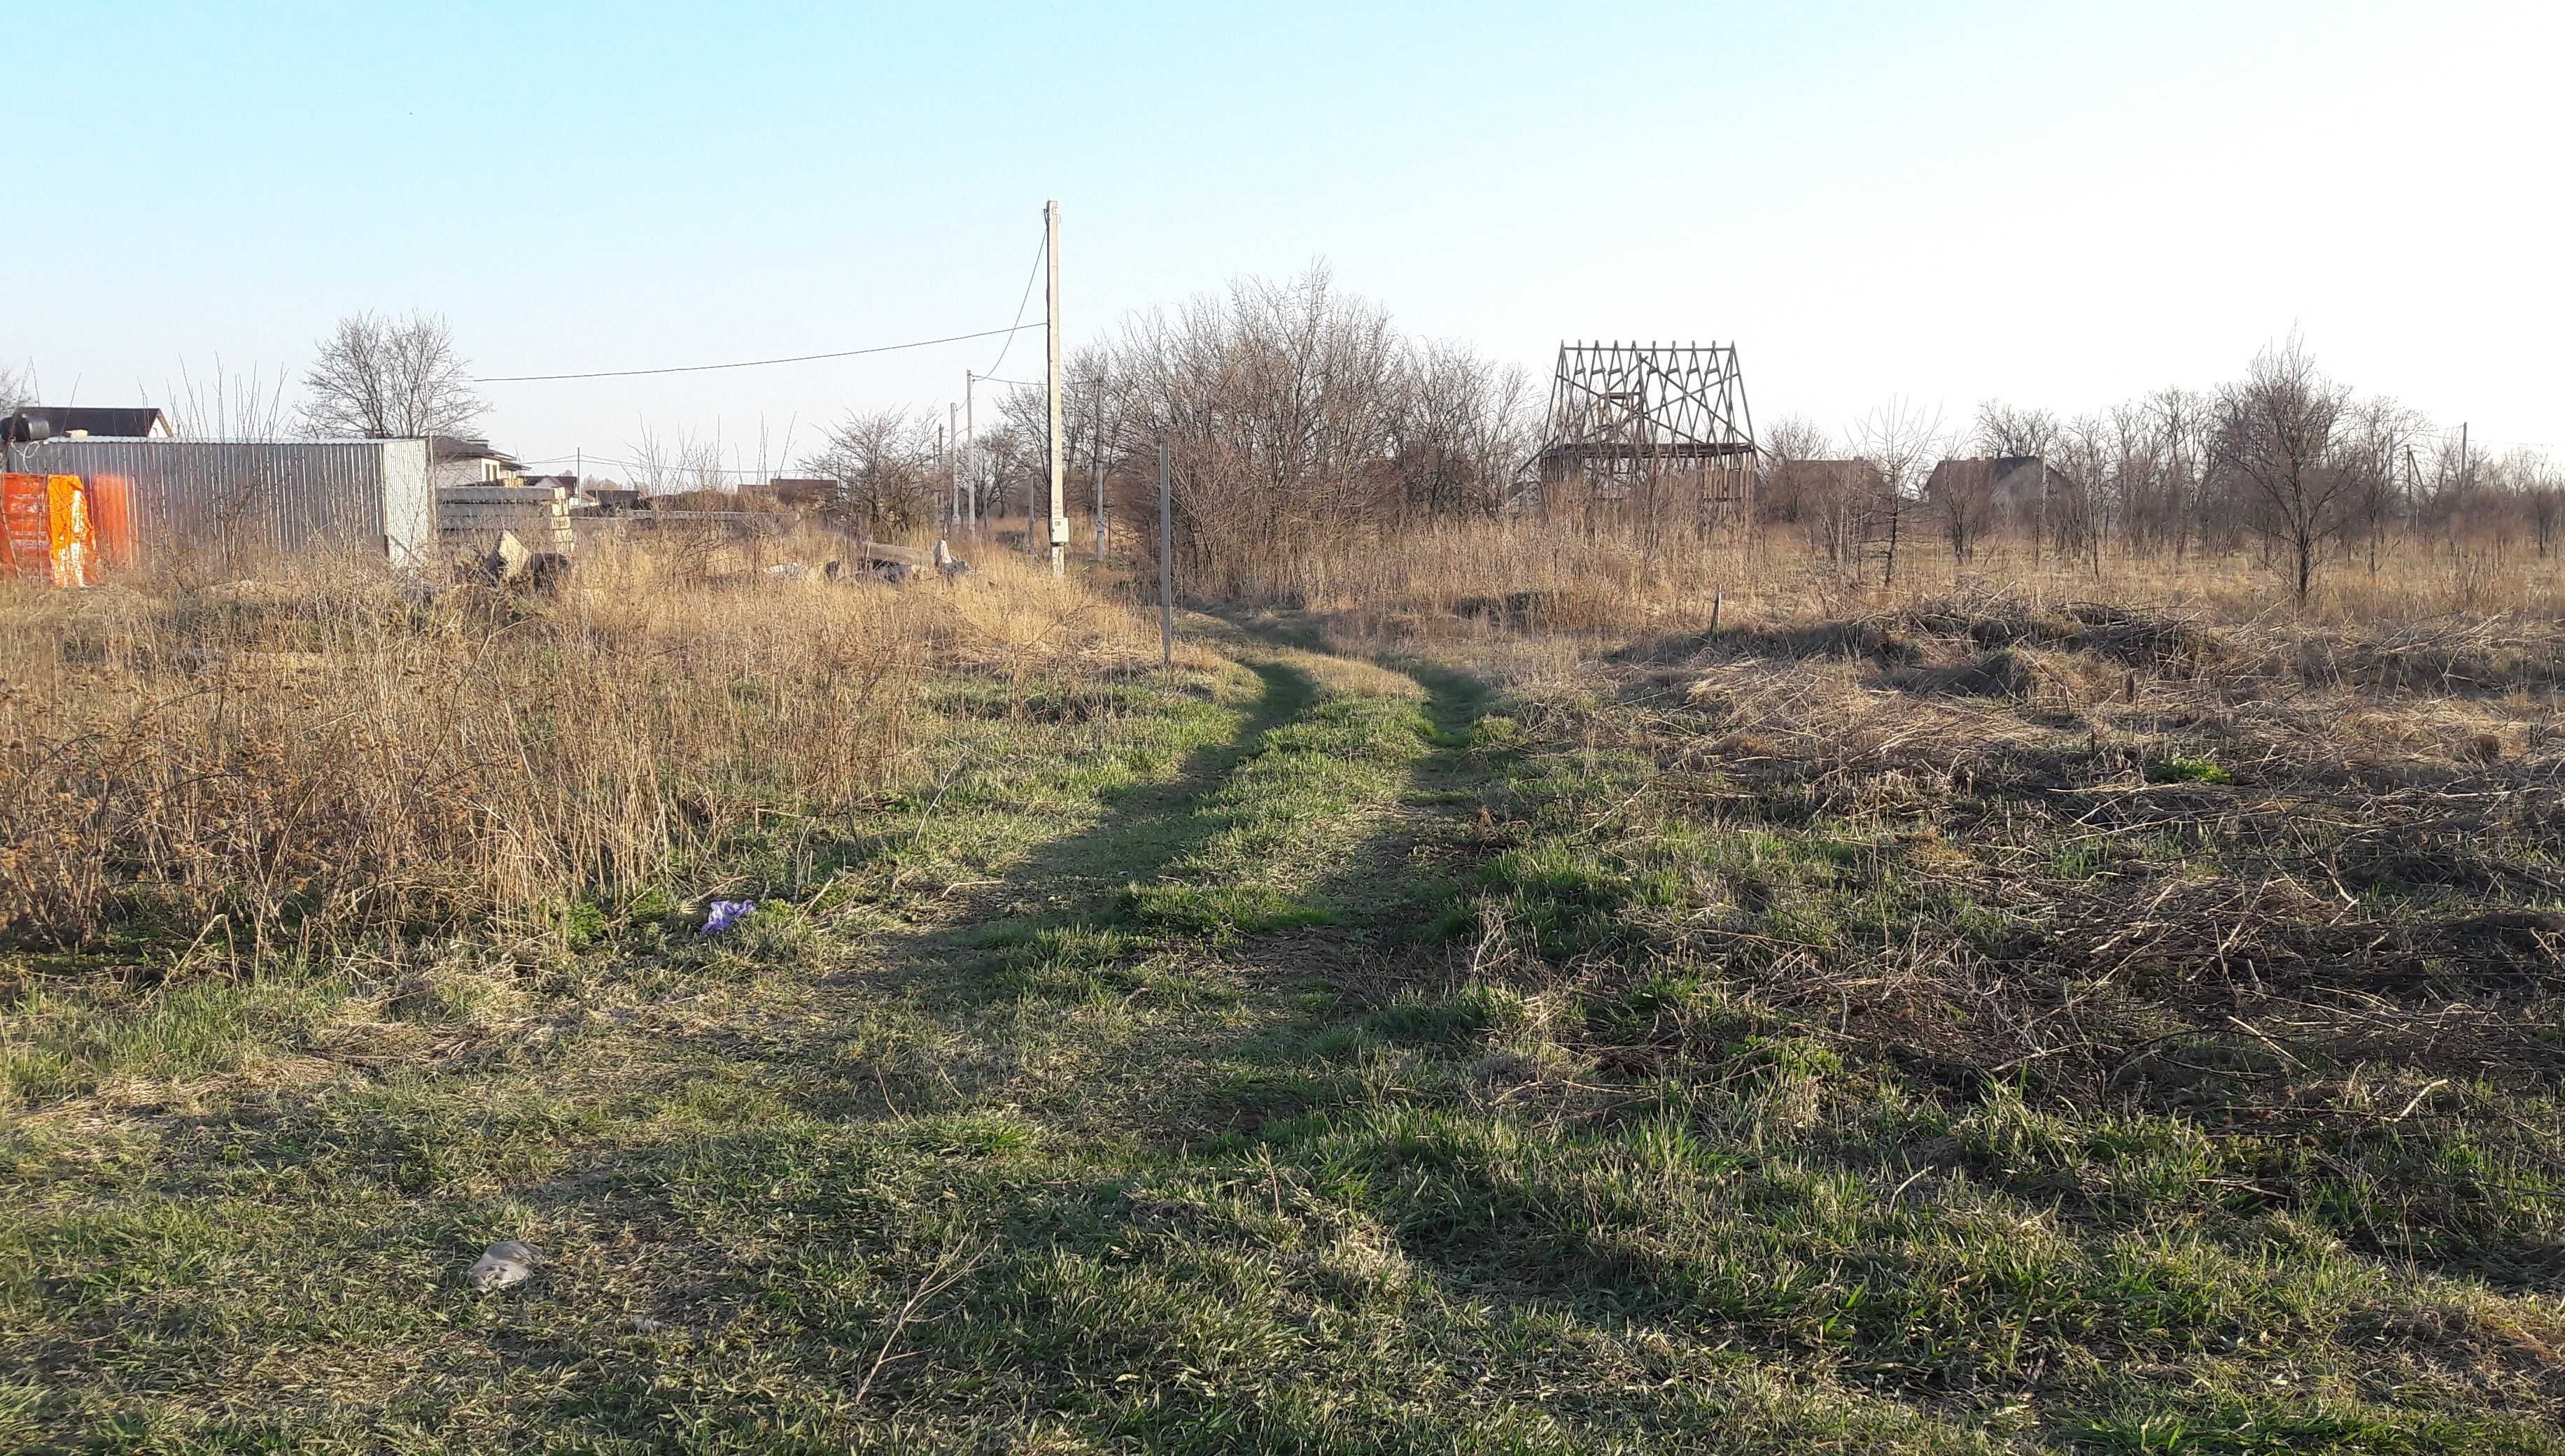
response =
{"points": [[1976, 1022]]}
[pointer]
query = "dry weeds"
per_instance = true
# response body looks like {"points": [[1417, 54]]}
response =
{"points": [[335, 752]]}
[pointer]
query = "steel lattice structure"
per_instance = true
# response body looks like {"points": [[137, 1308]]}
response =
{"points": [[1647, 428]]}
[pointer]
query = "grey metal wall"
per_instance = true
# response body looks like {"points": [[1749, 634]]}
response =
{"points": [[369, 495]]}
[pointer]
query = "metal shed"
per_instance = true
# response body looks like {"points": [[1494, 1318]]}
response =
{"points": [[231, 495]]}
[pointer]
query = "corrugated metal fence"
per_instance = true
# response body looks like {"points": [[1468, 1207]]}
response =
{"points": [[231, 497]]}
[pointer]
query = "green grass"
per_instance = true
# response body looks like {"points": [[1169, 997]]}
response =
{"points": [[1294, 1058]]}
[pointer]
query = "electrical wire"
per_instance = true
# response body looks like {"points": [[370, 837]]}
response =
{"points": [[1025, 303], [885, 348]]}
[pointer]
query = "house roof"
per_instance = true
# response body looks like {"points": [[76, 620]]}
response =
{"points": [[465, 447], [134, 423]]}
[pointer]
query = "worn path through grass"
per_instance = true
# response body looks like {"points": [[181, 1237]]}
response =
{"points": [[1292, 1056], [1081, 954]]}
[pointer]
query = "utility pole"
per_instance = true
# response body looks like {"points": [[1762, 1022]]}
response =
{"points": [[1166, 566], [972, 435], [1059, 535], [953, 464], [1098, 461]]}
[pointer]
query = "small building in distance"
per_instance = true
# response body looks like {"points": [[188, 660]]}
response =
{"points": [[2007, 487], [460, 459], [801, 493]]}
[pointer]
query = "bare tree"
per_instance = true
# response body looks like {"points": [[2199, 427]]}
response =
{"points": [[1283, 403], [1464, 427], [2279, 442], [380, 378], [884, 462], [2542, 495], [1006, 462], [1901, 442], [225, 405], [2185, 432], [16, 388], [2380, 436], [1963, 494]]}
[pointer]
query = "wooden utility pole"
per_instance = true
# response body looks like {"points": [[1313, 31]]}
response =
{"points": [[1059, 535], [1166, 566]]}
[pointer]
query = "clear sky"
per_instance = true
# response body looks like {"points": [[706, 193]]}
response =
{"points": [[2061, 204]]}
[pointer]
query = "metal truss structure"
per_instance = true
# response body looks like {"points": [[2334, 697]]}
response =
{"points": [[1647, 430]]}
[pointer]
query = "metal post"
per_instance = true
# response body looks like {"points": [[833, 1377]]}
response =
{"points": [[1166, 566], [1059, 535]]}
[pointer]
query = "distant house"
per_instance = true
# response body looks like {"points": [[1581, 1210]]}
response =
{"points": [[455, 460], [2007, 486], [138, 422], [801, 491]]}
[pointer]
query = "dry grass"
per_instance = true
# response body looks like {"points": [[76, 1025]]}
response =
{"points": [[1970, 1020], [332, 753], [1525, 573], [2294, 886]]}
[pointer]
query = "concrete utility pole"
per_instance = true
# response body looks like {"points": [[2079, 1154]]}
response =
{"points": [[971, 435], [1059, 536]]}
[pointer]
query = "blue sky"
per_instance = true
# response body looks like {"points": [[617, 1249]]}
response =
{"points": [[2059, 204]]}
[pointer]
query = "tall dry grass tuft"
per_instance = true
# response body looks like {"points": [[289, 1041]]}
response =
{"points": [[332, 753]]}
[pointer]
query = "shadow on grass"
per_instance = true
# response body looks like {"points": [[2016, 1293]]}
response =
{"points": [[1145, 828]]}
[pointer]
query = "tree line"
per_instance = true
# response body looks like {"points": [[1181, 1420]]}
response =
{"points": [[1298, 417], [2284, 463]]}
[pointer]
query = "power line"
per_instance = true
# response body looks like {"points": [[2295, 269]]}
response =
{"points": [[885, 348], [1025, 303]]}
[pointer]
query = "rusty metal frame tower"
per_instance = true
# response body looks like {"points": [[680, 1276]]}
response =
{"points": [[1641, 429]]}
